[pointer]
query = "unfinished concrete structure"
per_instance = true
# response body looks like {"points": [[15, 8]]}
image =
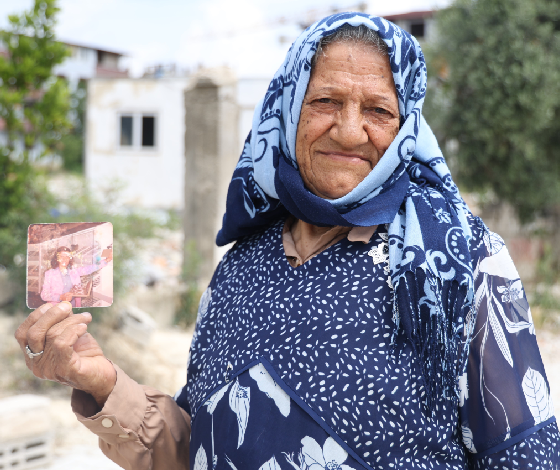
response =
{"points": [[212, 149]]}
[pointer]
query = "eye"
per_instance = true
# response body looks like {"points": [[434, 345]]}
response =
{"points": [[324, 100], [381, 111]]}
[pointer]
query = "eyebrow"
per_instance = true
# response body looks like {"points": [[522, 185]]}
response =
{"points": [[335, 89]]}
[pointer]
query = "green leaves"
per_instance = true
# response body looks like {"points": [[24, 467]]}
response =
{"points": [[33, 103], [34, 107], [499, 98]]}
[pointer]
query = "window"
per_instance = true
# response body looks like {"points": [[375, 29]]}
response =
{"points": [[126, 131], [148, 131], [138, 131], [417, 30]]}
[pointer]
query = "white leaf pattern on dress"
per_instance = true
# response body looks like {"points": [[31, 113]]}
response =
{"points": [[331, 456], [211, 405], [511, 326], [201, 461], [230, 463], [493, 242], [212, 402], [468, 438], [271, 464], [537, 396], [499, 335], [267, 385], [512, 291], [463, 389], [203, 305], [500, 265], [239, 402]]}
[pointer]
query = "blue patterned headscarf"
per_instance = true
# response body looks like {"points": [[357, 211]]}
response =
{"points": [[410, 189]]}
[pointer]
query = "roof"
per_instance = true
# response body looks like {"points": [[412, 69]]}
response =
{"points": [[413, 15], [76, 44], [95, 48]]}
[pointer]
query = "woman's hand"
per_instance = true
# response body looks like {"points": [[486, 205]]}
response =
{"points": [[109, 257], [66, 297], [71, 356]]}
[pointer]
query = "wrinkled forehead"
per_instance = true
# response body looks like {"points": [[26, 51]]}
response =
{"points": [[405, 55]]}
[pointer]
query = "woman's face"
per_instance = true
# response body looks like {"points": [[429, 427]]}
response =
{"points": [[349, 117], [63, 258]]}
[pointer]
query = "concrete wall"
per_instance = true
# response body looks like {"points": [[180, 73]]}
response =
{"points": [[152, 176], [211, 152]]}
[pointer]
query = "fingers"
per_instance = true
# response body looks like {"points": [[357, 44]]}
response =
{"points": [[56, 361], [63, 343], [21, 332], [57, 329], [35, 337]]}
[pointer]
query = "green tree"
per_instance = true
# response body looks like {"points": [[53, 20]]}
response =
{"points": [[33, 103], [498, 66], [34, 107]]}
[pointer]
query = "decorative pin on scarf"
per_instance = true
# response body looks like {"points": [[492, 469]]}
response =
{"points": [[380, 254]]}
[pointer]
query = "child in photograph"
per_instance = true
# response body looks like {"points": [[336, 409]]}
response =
{"points": [[63, 276]]}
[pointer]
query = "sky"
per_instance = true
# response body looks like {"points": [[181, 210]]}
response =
{"points": [[246, 35]]}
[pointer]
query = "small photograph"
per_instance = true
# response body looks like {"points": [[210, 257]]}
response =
{"points": [[70, 261]]}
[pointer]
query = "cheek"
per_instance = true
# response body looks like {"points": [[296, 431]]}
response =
{"points": [[383, 136], [304, 138], [311, 127]]}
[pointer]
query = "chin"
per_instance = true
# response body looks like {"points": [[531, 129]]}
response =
{"points": [[334, 193]]}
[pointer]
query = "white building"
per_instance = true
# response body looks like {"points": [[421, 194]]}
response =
{"points": [[421, 24], [135, 131], [135, 134]]}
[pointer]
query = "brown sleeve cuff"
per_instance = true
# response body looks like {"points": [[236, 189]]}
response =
{"points": [[121, 416]]}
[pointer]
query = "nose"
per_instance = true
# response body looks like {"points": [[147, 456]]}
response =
{"points": [[349, 130]]}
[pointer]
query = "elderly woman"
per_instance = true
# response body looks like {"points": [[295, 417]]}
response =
{"points": [[363, 319]]}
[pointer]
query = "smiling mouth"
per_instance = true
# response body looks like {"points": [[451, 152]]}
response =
{"points": [[344, 157]]}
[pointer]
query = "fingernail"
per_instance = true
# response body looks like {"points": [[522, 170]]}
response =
{"points": [[65, 306], [86, 315]]}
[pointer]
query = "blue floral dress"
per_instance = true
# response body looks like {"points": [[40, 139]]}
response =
{"points": [[301, 368]]}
